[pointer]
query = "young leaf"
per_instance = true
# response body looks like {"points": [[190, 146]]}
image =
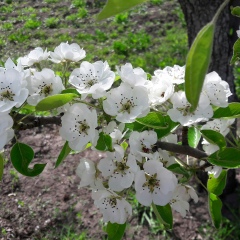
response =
{"points": [[194, 136], [1, 166], [63, 154], [236, 52], [104, 142], [115, 231], [228, 157], [177, 168], [231, 111], [165, 213], [217, 185], [235, 11], [114, 7], [55, 101], [70, 90], [197, 63], [214, 137], [215, 206], [162, 125], [21, 156]]}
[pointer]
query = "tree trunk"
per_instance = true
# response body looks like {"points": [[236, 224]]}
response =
{"points": [[197, 14]]}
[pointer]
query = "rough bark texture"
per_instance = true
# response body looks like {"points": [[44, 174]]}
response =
{"points": [[197, 14]]}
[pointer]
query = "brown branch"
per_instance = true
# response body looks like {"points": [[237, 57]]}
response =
{"points": [[187, 150], [29, 122]]}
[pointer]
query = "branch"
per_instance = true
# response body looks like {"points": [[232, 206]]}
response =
{"points": [[28, 122], [187, 150]]}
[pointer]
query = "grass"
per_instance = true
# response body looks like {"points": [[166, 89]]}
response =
{"points": [[127, 37]]}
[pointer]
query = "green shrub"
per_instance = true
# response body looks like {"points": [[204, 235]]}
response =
{"points": [[78, 3], [7, 26], [51, 22], [32, 24]]}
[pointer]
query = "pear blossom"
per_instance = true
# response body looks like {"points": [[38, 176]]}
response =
{"points": [[86, 171], [93, 79], [9, 64], [6, 131], [118, 169], [132, 76], [164, 157], [35, 56], [174, 74], [67, 52], [43, 84], [181, 196], [215, 170], [78, 126], [216, 89], [142, 143], [127, 103], [12, 89], [155, 184], [160, 89], [180, 111], [115, 209]]}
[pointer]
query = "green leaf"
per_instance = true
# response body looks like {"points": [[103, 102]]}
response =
{"points": [[154, 120], [1, 166], [228, 157], [115, 231], [104, 142], [165, 213], [197, 63], [163, 125], [217, 185], [236, 52], [215, 206], [177, 168], [231, 111], [70, 90], [235, 11], [214, 137], [114, 7], [21, 156], [54, 101], [63, 154], [194, 136]]}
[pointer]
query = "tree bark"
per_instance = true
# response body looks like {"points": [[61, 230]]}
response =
{"points": [[197, 14]]}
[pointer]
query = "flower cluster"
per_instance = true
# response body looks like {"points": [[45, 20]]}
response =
{"points": [[104, 112]]}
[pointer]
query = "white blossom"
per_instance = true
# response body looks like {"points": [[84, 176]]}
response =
{"points": [[174, 74], [132, 76], [215, 170], [127, 103], [114, 208], [86, 171], [154, 184], [160, 89], [43, 84], [93, 79], [180, 199], [35, 56], [142, 143], [67, 52], [6, 131], [117, 168], [180, 111], [12, 89], [216, 89], [78, 126]]}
